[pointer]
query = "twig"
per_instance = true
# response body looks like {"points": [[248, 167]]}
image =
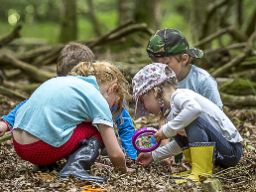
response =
{"points": [[213, 36], [33, 72], [210, 11], [109, 33], [10, 37], [122, 32], [230, 47], [238, 101], [49, 57], [237, 60], [11, 93], [31, 54]]}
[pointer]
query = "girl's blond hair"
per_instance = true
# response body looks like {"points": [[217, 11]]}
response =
{"points": [[105, 72]]}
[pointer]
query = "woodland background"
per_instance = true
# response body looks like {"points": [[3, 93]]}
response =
{"points": [[33, 32]]}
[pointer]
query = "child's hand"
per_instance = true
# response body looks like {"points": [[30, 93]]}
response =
{"points": [[3, 128], [159, 135], [144, 159]]}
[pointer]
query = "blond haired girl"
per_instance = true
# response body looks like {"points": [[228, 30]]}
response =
{"points": [[70, 116]]}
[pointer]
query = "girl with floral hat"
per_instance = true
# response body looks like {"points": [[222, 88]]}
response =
{"points": [[199, 127]]}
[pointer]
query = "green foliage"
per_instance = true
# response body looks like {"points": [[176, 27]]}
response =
{"points": [[46, 30], [42, 18]]}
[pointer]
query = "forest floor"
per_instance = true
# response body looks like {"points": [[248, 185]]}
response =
{"points": [[18, 175]]}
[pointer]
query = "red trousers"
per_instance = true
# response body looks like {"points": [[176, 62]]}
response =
{"points": [[41, 153]]}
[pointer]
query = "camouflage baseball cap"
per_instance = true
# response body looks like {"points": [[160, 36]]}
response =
{"points": [[168, 42]]}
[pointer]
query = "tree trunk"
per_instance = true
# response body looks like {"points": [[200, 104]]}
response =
{"points": [[147, 11], [205, 17], [239, 13], [68, 31], [125, 11], [93, 18], [197, 17]]}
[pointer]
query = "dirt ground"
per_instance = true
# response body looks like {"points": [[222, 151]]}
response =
{"points": [[18, 175]]}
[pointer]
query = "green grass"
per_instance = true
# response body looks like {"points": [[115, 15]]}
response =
{"points": [[49, 31]]}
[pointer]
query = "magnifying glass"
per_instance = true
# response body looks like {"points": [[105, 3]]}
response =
{"points": [[143, 139]]}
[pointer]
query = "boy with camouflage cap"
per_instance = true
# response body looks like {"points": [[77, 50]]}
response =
{"points": [[169, 46]]}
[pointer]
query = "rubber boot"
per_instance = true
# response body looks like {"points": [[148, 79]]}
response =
{"points": [[79, 163], [187, 157], [201, 161]]}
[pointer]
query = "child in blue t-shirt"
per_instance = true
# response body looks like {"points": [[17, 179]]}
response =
{"points": [[170, 47], [70, 56], [70, 116]]}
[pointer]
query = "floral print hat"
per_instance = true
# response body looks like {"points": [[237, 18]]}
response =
{"points": [[146, 79]]}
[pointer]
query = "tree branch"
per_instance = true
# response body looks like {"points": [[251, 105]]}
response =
{"points": [[10, 37], [213, 36], [210, 11], [11, 93], [238, 101], [237, 60], [34, 73]]}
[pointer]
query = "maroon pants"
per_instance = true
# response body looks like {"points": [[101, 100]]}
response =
{"points": [[41, 153]]}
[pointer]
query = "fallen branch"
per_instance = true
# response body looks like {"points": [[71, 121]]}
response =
{"points": [[10, 37], [213, 36], [228, 48], [49, 54], [122, 32], [49, 57], [237, 60], [211, 9], [249, 74], [237, 35], [238, 86], [105, 36], [34, 53], [21, 86], [11, 93], [238, 101], [34, 73]]}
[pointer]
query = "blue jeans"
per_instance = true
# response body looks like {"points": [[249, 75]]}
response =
{"points": [[226, 154]]}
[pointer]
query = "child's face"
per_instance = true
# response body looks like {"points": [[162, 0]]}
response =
{"points": [[151, 103], [177, 66]]}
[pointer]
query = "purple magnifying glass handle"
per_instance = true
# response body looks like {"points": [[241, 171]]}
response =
{"points": [[145, 131]]}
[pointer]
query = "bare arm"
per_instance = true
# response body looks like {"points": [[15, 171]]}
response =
{"points": [[3, 128], [115, 153]]}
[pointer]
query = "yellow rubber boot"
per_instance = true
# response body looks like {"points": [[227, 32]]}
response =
{"points": [[201, 161], [187, 157]]}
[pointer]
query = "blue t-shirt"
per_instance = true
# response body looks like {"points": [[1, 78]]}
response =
{"points": [[203, 83], [123, 121], [55, 108]]}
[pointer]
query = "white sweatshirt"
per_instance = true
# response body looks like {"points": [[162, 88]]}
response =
{"points": [[186, 106]]}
